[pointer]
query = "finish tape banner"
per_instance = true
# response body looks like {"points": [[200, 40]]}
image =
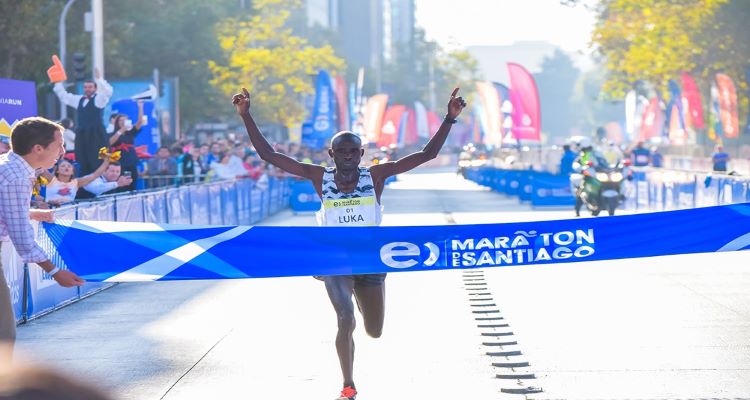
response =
{"points": [[125, 252]]}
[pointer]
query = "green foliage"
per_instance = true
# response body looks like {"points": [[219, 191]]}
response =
{"points": [[28, 38], [653, 41], [175, 36], [263, 55]]}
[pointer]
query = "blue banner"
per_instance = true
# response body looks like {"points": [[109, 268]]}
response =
{"points": [[182, 252], [304, 197], [17, 101], [12, 267]]}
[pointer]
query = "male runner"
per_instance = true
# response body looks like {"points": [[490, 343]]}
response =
{"points": [[361, 188]]}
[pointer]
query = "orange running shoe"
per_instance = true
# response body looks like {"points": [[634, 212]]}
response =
{"points": [[348, 393]]}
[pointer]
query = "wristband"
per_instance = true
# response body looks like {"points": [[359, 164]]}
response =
{"points": [[451, 120], [53, 271]]}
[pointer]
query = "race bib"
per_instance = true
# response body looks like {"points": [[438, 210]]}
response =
{"points": [[361, 211]]}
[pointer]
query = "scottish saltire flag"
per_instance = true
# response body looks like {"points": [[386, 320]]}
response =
{"points": [[121, 251]]}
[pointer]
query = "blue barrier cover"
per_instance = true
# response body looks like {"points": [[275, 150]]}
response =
{"points": [[525, 187], [551, 190], [129, 208], [169, 252], [44, 293], [304, 197], [215, 214], [155, 207], [513, 181], [199, 205], [178, 205], [229, 200], [12, 267], [244, 187]]}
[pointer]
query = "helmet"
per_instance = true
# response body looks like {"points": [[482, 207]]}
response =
{"points": [[585, 142]]}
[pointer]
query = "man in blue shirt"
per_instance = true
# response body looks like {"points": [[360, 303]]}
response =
{"points": [[720, 158], [641, 155], [566, 162]]}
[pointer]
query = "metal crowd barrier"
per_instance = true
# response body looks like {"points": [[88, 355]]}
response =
{"points": [[235, 202], [652, 189]]}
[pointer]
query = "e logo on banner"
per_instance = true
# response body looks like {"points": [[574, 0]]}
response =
{"points": [[410, 251]]}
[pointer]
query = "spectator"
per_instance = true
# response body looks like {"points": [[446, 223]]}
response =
{"points": [[566, 161], [22, 381], [4, 144], [110, 181], [225, 170], [90, 135], [36, 143], [640, 155], [63, 185], [657, 159], [69, 135], [122, 139], [720, 159], [161, 166], [261, 183], [215, 155]]}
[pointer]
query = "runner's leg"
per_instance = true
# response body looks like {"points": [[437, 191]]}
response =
{"points": [[340, 289]]}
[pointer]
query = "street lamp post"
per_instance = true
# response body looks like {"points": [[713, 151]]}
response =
{"points": [[63, 107]]}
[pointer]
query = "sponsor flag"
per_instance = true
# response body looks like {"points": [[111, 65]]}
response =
{"points": [[491, 108], [433, 122], [391, 125], [692, 95], [676, 127], [631, 108], [506, 108], [715, 130], [527, 117], [728, 106], [420, 115], [322, 117], [342, 104], [652, 121], [373, 118]]}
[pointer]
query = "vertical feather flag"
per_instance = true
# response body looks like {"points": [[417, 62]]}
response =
{"points": [[524, 95]]}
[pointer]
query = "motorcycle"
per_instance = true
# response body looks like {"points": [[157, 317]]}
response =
{"points": [[602, 188]]}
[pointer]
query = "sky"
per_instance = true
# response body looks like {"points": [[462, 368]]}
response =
{"points": [[460, 23]]}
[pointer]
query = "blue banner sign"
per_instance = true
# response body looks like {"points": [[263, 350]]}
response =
{"points": [[185, 252], [17, 101]]}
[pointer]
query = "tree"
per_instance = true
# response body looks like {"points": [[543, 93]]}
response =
{"points": [[26, 33], [654, 41], [264, 56], [175, 36], [556, 83]]}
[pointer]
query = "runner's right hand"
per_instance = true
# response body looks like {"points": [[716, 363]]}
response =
{"points": [[241, 101]]}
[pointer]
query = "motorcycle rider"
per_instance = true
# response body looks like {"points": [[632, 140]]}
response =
{"points": [[586, 159]]}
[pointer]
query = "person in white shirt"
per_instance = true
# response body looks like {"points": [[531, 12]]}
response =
{"points": [[35, 143], [90, 135], [69, 135], [63, 185], [110, 180]]}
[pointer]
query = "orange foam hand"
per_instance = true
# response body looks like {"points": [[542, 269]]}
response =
{"points": [[56, 72]]}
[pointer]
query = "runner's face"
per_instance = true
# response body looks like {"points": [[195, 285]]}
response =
{"points": [[346, 154]]}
